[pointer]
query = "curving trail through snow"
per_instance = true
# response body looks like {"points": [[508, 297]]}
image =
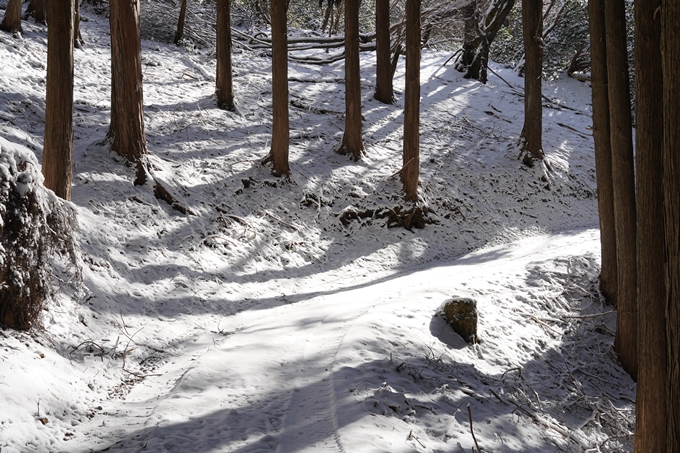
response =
{"points": [[302, 377]]}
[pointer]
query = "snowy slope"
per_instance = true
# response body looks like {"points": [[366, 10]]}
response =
{"points": [[263, 323]]}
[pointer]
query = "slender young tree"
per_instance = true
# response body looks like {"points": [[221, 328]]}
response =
{"points": [[532, 31], [12, 20], [603, 152], [384, 91], [225, 84], [623, 179], [180, 23], [411, 157], [126, 130], [77, 37], [352, 142], [56, 165], [670, 42], [650, 408], [280, 129]]}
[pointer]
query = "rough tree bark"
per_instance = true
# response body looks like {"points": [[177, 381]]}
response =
{"points": [[650, 406], [126, 131], [532, 31], [280, 133], [470, 35], [352, 142], [623, 178], [603, 152], [477, 52], [670, 42], [384, 91], [37, 10], [12, 20], [224, 85], [411, 158], [56, 164]]}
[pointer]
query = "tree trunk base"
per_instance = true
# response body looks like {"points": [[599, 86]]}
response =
{"points": [[269, 158]]}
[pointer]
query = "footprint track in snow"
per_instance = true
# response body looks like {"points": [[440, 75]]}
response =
{"points": [[311, 421]]}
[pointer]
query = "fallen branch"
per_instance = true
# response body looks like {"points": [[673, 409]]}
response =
{"points": [[471, 430], [536, 418], [282, 222], [595, 315], [299, 104], [413, 436], [401, 169]]}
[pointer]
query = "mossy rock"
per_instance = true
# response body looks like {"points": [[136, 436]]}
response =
{"points": [[461, 314]]}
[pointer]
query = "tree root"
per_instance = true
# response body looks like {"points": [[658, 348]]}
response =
{"points": [[160, 191], [415, 217]]}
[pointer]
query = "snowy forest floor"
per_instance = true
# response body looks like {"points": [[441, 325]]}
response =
{"points": [[273, 320]]}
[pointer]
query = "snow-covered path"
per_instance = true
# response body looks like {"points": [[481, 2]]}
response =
{"points": [[304, 376]]}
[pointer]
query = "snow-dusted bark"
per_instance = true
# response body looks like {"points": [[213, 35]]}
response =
{"points": [[35, 228]]}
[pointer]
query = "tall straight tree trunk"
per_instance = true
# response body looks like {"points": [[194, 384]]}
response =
{"points": [[352, 142], [670, 42], [411, 158], [532, 31], [127, 103], [384, 91], [12, 20], [56, 165], [603, 152], [280, 127], [650, 406], [180, 23], [623, 178], [225, 86]]}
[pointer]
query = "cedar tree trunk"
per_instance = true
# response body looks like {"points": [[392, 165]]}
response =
{"points": [[411, 169], [56, 164], [12, 20], [670, 42], [280, 128], [603, 152], [127, 104], [623, 178], [532, 31], [352, 142], [225, 86], [37, 10], [650, 406], [384, 91]]}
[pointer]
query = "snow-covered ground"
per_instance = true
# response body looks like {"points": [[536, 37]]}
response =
{"points": [[263, 322]]}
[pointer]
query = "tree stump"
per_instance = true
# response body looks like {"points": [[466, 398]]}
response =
{"points": [[461, 314]]}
